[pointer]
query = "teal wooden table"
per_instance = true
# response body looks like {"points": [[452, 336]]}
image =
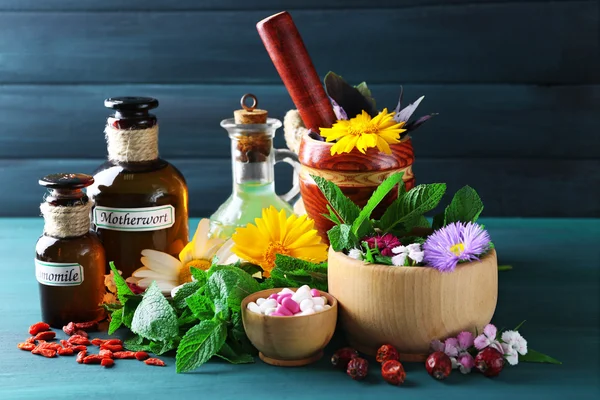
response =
{"points": [[554, 286]]}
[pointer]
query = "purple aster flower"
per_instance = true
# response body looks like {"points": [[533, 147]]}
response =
{"points": [[453, 243], [385, 243]]}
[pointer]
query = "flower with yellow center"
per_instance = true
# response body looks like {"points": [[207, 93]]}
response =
{"points": [[169, 272], [363, 132], [276, 233]]}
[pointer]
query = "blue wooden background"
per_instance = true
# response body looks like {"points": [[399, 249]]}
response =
{"points": [[516, 83]]}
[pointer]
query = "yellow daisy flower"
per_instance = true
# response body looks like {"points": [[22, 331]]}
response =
{"points": [[363, 132], [276, 233]]}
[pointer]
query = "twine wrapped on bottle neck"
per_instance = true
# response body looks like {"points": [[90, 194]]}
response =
{"points": [[132, 145], [66, 221]]}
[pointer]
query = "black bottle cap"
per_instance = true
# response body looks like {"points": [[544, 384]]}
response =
{"points": [[131, 104], [66, 181]]}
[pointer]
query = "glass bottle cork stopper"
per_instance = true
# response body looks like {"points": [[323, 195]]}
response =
{"points": [[250, 114], [65, 188]]}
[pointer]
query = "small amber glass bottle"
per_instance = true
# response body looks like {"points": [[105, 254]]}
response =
{"points": [[140, 200], [69, 258]]}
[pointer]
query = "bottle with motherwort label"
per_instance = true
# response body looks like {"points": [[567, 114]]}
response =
{"points": [[69, 258], [140, 200]]}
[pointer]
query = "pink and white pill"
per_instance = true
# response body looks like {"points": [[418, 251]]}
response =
{"points": [[283, 310], [290, 305], [315, 293], [273, 296], [282, 297]]}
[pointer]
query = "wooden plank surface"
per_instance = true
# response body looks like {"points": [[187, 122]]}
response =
{"points": [[508, 187], [188, 5], [474, 120], [555, 42]]}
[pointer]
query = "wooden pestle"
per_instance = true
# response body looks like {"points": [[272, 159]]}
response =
{"points": [[288, 53]]}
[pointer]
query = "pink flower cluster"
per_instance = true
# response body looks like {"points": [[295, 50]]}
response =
{"points": [[458, 350]]}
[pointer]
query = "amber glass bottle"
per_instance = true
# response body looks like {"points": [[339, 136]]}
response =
{"points": [[69, 259], [140, 200]]}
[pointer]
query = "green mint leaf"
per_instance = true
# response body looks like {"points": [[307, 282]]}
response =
{"points": [[439, 221], [199, 344], [228, 287], [237, 335], [250, 268], [361, 225], [201, 306], [267, 284], [401, 189], [234, 356], [383, 260], [407, 209], [185, 291], [154, 318], [537, 357], [112, 307], [129, 308], [199, 275], [466, 206], [160, 348], [341, 237], [345, 209], [122, 289], [293, 272], [332, 216], [116, 320], [137, 343]]}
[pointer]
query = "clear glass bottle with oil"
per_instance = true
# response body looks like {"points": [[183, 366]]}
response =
{"points": [[140, 200], [69, 258]]}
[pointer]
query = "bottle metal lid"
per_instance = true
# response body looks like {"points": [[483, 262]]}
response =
{"points": [[129, 103], [66, 181]]}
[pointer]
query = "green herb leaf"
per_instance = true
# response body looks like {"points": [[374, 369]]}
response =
{"points": [[366, 92], [439, 221], [537, 357], [347, 96], [160, 348], [292, 272], [122, 289], [341, 237], [345, 209], [361, 225], [154, 318], [466, 206], [199, 344], [407, 209], [137, 343], [201, 306], [116, 320], [250, 268], [129, 308], [332, 215], [185, 291], [520, 325], [228, 353], [228, 287], [199, 275], [187, 318]]}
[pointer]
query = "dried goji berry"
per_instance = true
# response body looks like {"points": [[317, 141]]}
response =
{"points": [[47, 335], [44, 352], [124, 354], [64, 343], [69, 329], [87, 326], [111, 347], [155, 361], [38, 327], [105, 353], [107, 362], [26, 346], [30, 339], [79, 347], [65, 351], [81, 333], [141, 355], [80, 356], [51, 346], [93, 359], [98, 342], [114, 341], [76, 339]]}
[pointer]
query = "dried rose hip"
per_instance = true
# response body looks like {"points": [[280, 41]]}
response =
{"points": [[155, 361], [438, 365], [26, 346], [489, 361], [124, 354], [93, 359], [65, 351], [107, 362], [141, 355], [393, 372], [386, 352], [69, 329], [76, 339], [38, 327], [358, 368], [111, 347], [342, 357], [80, 356], [47, 335]]}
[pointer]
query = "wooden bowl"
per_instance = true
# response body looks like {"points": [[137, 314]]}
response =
{"points": [[289, 341], [409, 307], [356, 174]]}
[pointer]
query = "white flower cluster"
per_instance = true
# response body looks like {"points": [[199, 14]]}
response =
{"points": [[411, 253]]}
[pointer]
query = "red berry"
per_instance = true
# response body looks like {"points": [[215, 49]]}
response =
{"points": [[438, 365], [342, 357], [489, 361], [358, 368], [393, 372], [386, 352]]}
